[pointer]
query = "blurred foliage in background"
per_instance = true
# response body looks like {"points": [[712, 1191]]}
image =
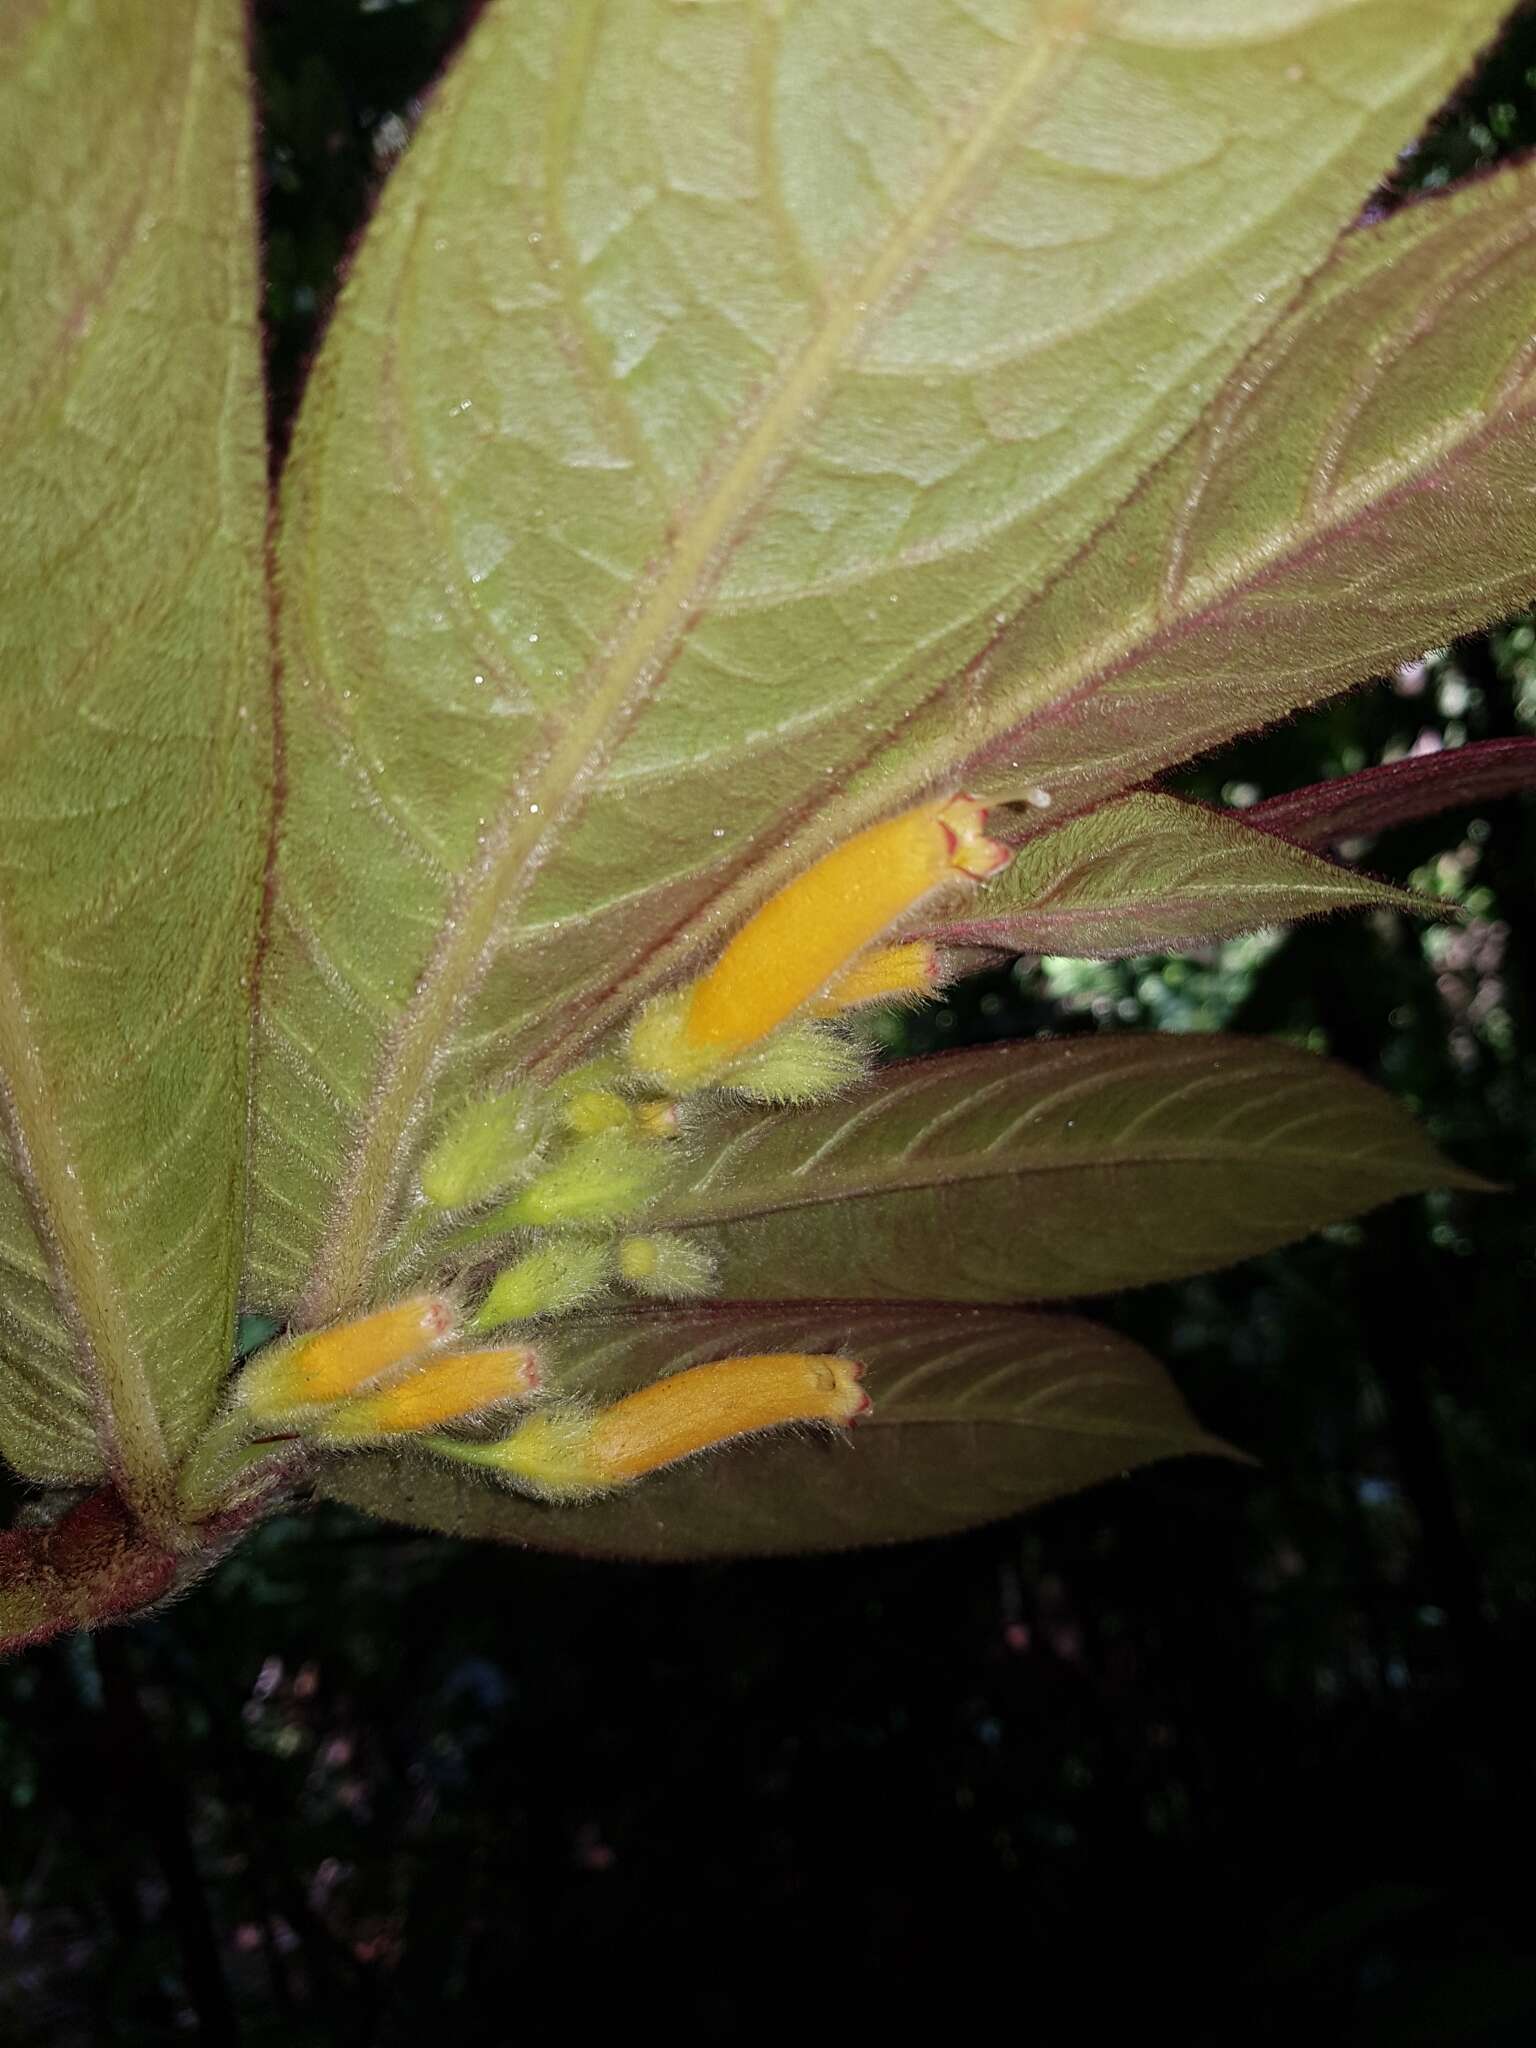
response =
{"points": [[1246, 1750]]}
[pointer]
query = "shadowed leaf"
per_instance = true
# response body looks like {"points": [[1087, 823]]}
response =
{"points": [[709, 384], [978, 1413], [1153, 875], [1397, 792], [1044, 1171], [94, 1563], [133, 778]]}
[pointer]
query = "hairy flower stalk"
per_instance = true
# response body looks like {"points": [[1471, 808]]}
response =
{"points": [[569, 1453]]}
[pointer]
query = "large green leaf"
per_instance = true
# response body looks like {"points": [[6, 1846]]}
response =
{"points": [[1153, 875], [1359, 491], [133, 778], [978, 1413], [710, 383], [1038, 1172]]}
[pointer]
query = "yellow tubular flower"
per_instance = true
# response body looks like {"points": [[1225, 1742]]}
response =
{"points": [[448, 1388], [568, 1454], [805, 935], [331, 1364], [711, 1404], [885, 974]]}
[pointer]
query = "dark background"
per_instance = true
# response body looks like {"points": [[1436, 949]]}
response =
{"points": [[1240, 1754]]}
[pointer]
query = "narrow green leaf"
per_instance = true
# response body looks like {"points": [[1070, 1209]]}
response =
{"points": [[133, 782], [709, 385], [1040, 1172], [1359, 491], [1153, 875], [977, 1414]]}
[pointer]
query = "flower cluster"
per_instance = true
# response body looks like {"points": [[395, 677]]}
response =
{"points": [[565, 1175]]}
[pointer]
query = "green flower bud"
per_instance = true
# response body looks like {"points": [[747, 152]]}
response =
{"points": [[489, 1146], [802, 1063], [551, 1280], [593, 1110], [599, 1180], [670, 1267]]}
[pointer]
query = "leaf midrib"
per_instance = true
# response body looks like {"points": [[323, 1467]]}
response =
{"points": [[519, 843], [127, 1423], [963, 1168]]}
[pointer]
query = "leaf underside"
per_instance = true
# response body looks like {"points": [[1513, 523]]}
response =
{"points": [[1358, 491], [977, 1414], [1040, 1172], [1151, 874], [133, 779], [793, 352], [1398, 792]]}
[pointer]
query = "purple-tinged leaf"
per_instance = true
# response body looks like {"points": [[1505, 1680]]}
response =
{"points": [[978, 1413], [1397, 792], [1358, 491], [1151, 874], [1041, 1172]]}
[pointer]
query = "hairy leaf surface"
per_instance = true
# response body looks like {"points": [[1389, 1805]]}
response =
{"points": [[978, 1413], [1151, 874], [1037, 1172], [1398, 792], [1360, 490], [711, 382], [133, 778]]}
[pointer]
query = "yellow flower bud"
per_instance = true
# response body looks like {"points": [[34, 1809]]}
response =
{"points": [[450, 1387], [885, 974], [312, 1370], [550, 1281], [568, 1453], [670, 1267]]}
